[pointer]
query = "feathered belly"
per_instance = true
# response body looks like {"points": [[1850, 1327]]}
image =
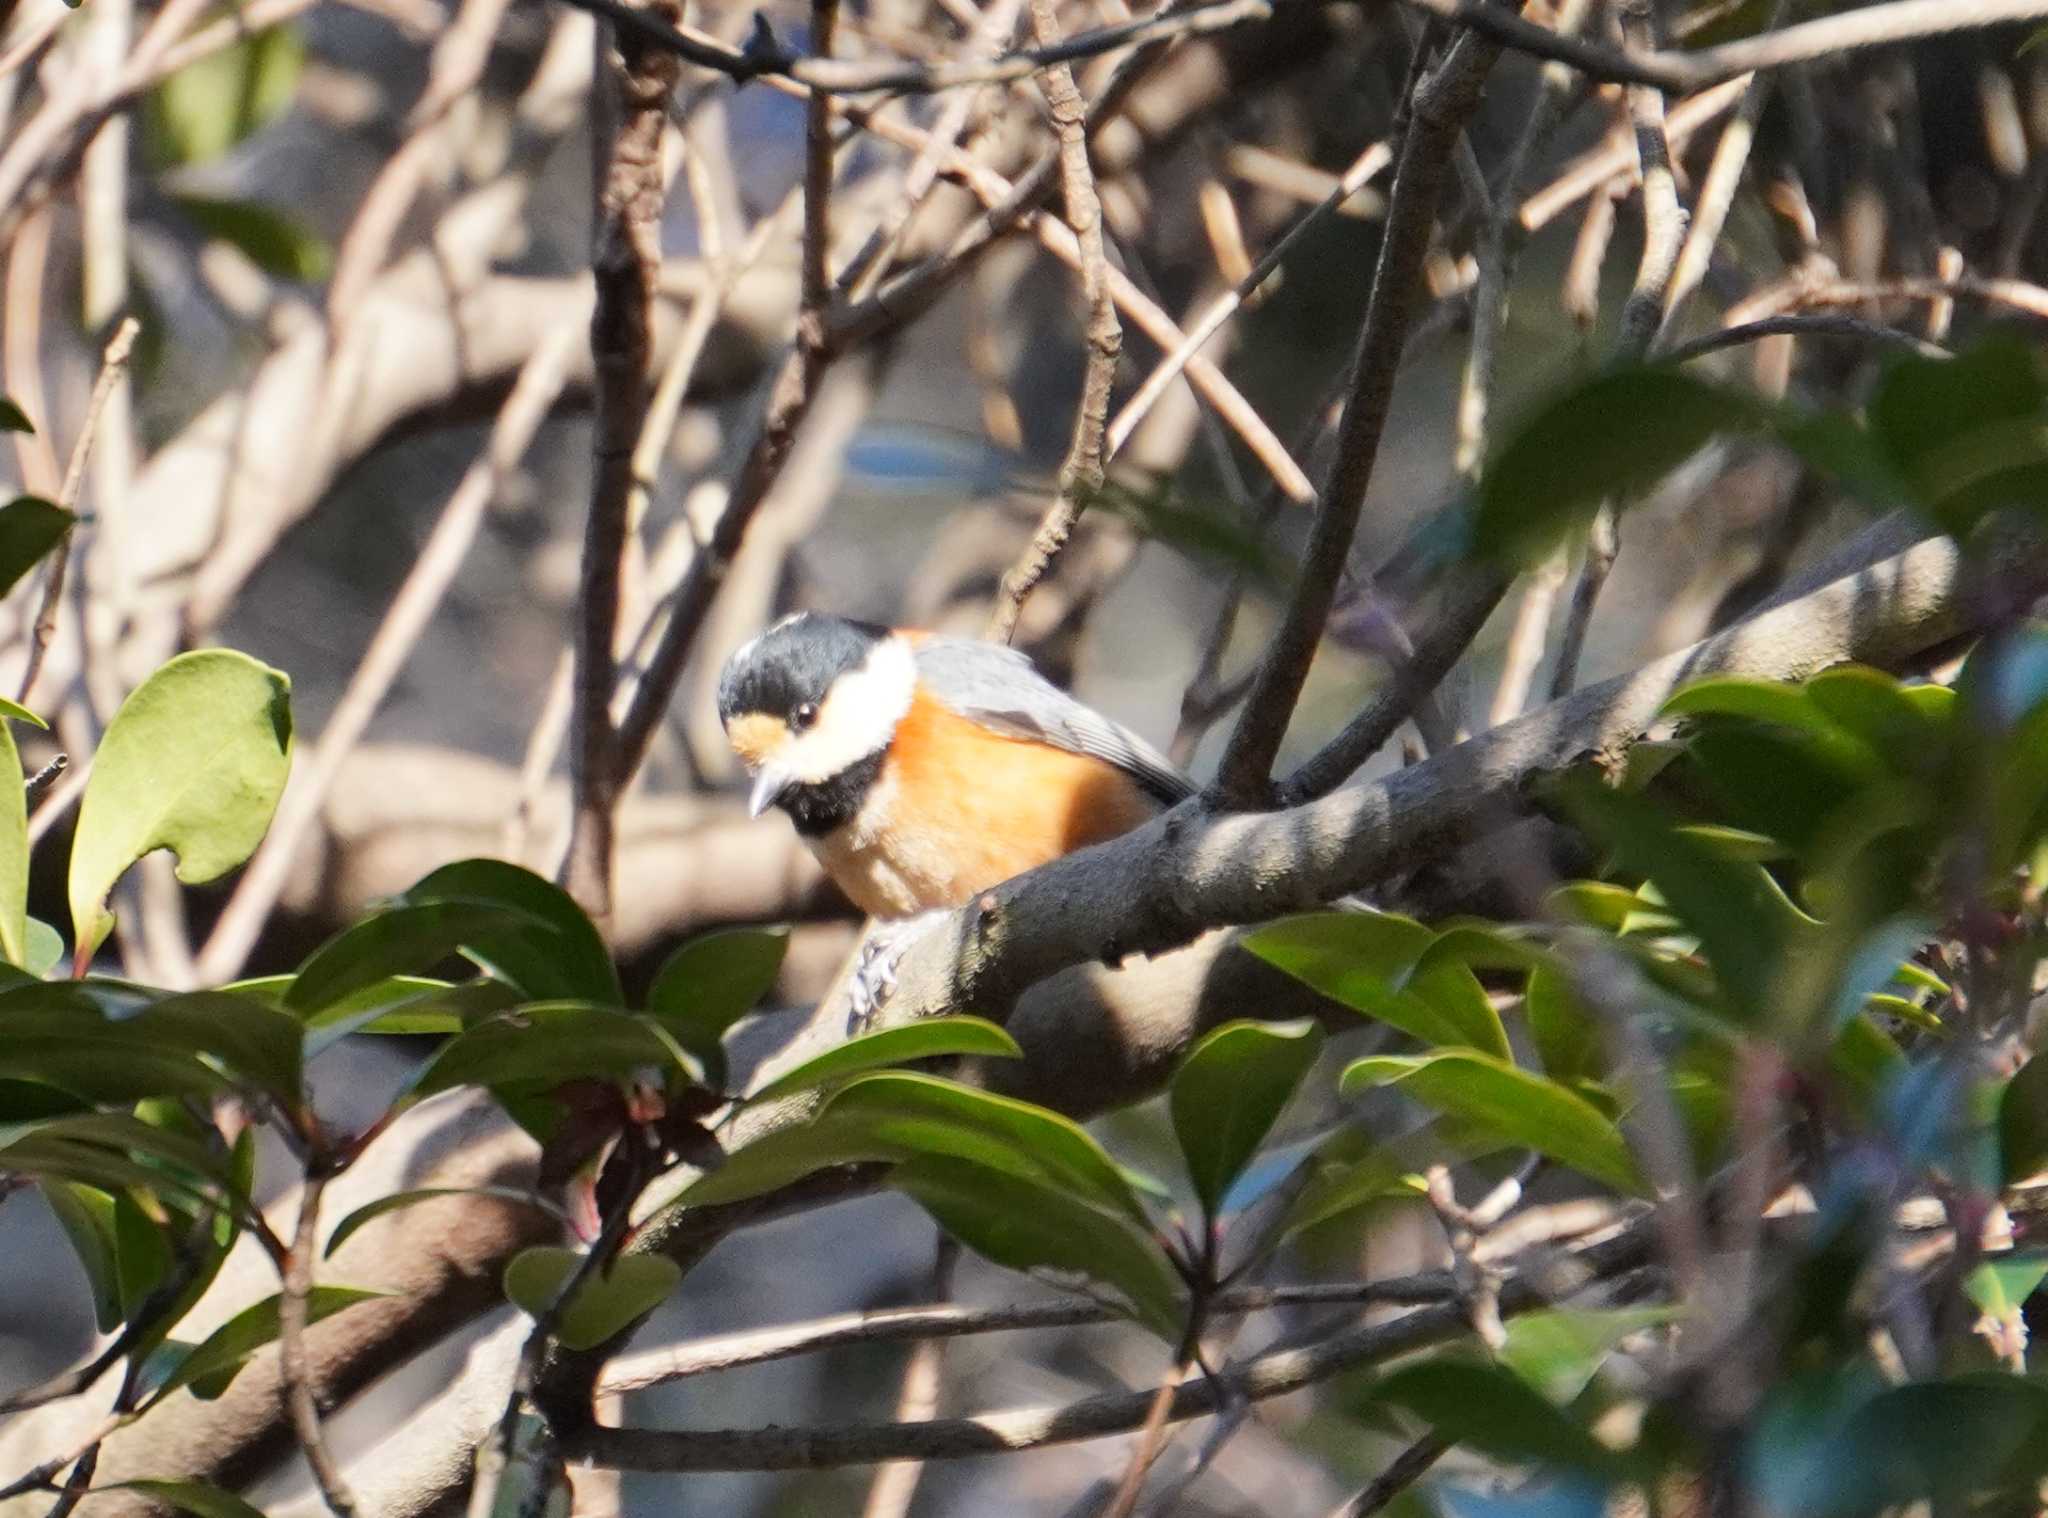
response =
{"points": [[954, 813]]}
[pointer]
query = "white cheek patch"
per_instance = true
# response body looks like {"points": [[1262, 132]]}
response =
{"points": [[858, 717]]}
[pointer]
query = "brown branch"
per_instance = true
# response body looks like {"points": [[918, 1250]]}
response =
{"points": [[1081, 472], [656, 1367], [113, 364], [1853, 327], [1441, 104], [294, 1364], [626, 263], [1269, 1375], [1402, 1472]]}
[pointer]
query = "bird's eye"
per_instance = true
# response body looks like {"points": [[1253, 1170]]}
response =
{"points": [[803, 716]]}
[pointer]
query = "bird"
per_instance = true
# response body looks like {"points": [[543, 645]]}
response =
{"points": [[922, 769]]}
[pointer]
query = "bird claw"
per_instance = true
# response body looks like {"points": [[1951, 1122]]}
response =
{"points": [[874, 972]]}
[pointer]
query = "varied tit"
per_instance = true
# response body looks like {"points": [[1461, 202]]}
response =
{"points": [[922, 770]]}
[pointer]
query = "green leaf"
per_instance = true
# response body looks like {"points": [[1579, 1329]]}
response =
{"points": [[370, 1211], [13, 853], [1559, 1351], [1028, 1226], [86, 1215], [1567, 1037], [609, 1301], [1524, 1109], [215, 102], [1494, 1411], [550, 1042], [194, 762], [29, 528], [2023, 1122], [1969, 434], [210, 1368], [13, 418], [713, 981], [2001, 1285], [1609, 437], [895, 1115], [573, 965], [1228, 1092], [1744, 923], [257, 1042], [195, 1497], [45, 948], [270, 240], [142, 1253], [1787, 706], [1368, 961], [398, 941], [929, 1038]]}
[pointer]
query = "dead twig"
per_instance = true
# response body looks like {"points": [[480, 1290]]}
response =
{"points": [[296, 1369], [1081, 473]]}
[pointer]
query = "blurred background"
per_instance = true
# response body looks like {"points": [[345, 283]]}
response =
{"points": [[347, 229]]}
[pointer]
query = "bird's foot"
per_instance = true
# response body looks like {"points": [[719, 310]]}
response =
{"points": [[874, 972]]}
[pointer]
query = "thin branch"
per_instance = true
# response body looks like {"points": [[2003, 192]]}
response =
{"points": [[295, 1368], [113, 364], [1269, 1375], [677, 1362], [1853, 327], [1402, 1472], [1873, 26], [895, 1484], [626, 263], [1441, 105], [1081, 472], [413, 607]]}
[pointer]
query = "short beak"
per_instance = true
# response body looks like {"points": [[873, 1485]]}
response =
{"points": [[769, 786]]}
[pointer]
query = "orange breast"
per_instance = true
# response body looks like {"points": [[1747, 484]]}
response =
{"points": [[959, 809]]}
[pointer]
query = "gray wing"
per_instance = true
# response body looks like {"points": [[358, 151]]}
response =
{"points": [[998, 687]]}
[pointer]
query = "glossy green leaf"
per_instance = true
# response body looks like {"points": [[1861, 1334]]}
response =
{"points": [[256, 1042], [1368, 961], [1608, 437], [194, 762], [1229, 1091], [398, 941], [86, 1216], [210, 1368], [194, 1497], [573, 965], [370, 1211], [1568, 1040], [1047, 1230], [29, 528], [714, 980], [1788, 706], [1559, 1351], [215, 102], [1494, 1411], [268, 238], [894, 1115], [1743, 921], [929, 1038], [550, 1042], [13, 418], [1524, 1109], [609, 1300]]}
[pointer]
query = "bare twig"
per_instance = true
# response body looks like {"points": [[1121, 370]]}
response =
{"points": [[627, 264], [1081, 473], [291, 1338], [1851, 327], [412, 608], [1151, 1437], [1441, 105], [895, 1484], [1402, 1472], [1269, 1375], [113, 364]]}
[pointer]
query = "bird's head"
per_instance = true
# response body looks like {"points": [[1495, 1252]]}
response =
{"points": [[812, 702]]}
